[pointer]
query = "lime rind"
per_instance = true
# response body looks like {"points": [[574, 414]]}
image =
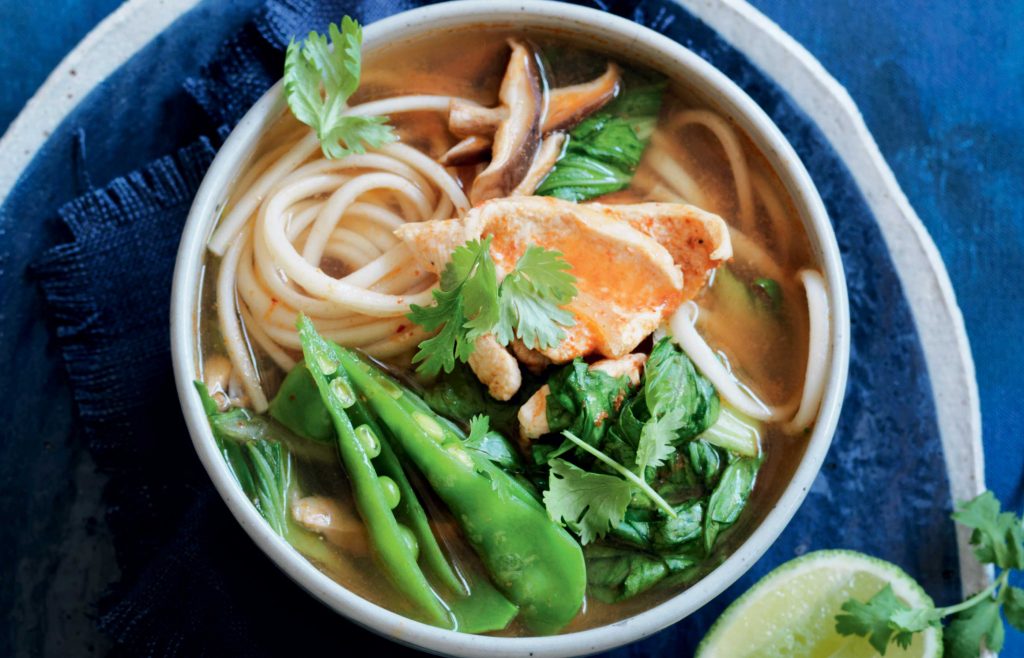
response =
{"points": [[775, 617]]}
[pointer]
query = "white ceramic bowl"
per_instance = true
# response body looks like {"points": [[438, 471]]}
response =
{"points": [[635, 43]]}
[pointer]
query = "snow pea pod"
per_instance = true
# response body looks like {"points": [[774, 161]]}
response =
{"points": [[477, 606], [480, 608], [535, 562], [298, 407], [395, 553]]}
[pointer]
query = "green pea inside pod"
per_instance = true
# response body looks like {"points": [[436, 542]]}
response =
{"points": [[409, 537], [392, 495], [369, 440]]}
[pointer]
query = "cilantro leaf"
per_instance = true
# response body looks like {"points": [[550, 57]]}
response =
{"points": [[356, 133], [440, 351], [657, 437], [591, 503], [873, 620], [548, 272], [531, 298], [998, 537], [468, 285], [969, 628], [916, 620], [469, 303], [975, 623], [479, 426], [1013, 606], [319, 78]]}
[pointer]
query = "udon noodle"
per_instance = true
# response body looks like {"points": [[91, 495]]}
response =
{"points": [[298, 207]]}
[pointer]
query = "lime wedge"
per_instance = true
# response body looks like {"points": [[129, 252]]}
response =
{"points": [[791, 611]]}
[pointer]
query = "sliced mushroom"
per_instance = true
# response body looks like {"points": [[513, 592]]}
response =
{"points": [[466, 119], [567, 106], [469, 151], [517, 138], [547, 155]]}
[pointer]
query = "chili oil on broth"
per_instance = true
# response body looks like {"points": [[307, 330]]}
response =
{"points": [[766, 350]]}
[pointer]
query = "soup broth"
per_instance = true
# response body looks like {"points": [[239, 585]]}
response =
{"points": [[752, 313]]}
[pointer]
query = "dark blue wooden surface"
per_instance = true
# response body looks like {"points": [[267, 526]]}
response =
{"points": [[940, 85]]}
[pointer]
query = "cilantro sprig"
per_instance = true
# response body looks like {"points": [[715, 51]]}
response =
{"points": [[998, 539], [593, 503], [470, 303], [319, 78]]}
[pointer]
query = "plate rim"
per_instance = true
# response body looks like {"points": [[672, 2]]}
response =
{"points": [[937, 317]]}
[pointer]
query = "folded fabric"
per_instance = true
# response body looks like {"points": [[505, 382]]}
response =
{"points": [[191, 583]]}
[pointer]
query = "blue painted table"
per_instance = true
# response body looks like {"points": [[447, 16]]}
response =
{"points": [[939, 83]]}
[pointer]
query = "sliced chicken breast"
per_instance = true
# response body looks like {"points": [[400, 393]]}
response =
{"points": [[626, 281]]}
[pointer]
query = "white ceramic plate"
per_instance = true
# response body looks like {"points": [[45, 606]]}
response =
{"points": [[924, 278]]}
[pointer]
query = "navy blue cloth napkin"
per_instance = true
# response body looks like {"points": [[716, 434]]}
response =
{"points": [[191, 583]]}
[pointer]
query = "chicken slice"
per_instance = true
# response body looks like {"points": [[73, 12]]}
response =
{"points": [[495, 368], [336, 523], [533, 415], [628, 366], [534, 361], [626, 282], [697, 240]]}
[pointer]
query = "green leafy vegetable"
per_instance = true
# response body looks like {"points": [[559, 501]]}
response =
{"points": [[469, 303], [492, 444], [872, 620], [614, 574], [687, 526], [657, 439], [604, 151], [260, 456], [459, 395], [673, 405], [640, 107], [584, 401], [531, 297], [590, 503], [729, 498], [468, 289], [636, 481], [768, 293], [262, 467], [998, 537], [680, 403], [735, 432], [319, 78], [975, 623], [1013, 607], [672, 382], [705, 461]]}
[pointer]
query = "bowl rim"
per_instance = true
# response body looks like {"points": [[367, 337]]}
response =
{"points": [[697, 73]]}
